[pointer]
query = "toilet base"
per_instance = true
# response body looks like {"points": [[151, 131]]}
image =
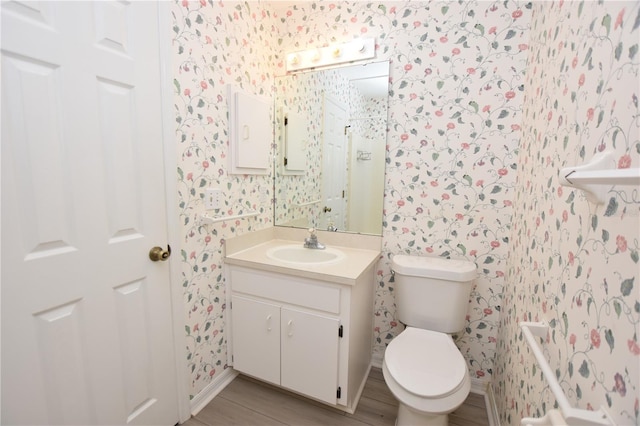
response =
{"points": [[409, 417]]}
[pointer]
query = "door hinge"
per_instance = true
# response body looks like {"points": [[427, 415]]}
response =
{"points": [[343, 193], [339, 393], [345, 129], [286, 161], [340, 331], [286, 120]]}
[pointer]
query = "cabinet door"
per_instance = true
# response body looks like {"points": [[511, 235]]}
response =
{"points": [[256, 338], [309, 355]]}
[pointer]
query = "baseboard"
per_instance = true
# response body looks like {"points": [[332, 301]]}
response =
{"points": [[479, 386], [376, 360], [211, 390], [356, 400], [492, 408]]}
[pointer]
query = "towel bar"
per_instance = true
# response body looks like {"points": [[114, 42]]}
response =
{"points": [[573, 416], [207, 220]]}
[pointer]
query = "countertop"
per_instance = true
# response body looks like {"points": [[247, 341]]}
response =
{"points": [[344, 271]]}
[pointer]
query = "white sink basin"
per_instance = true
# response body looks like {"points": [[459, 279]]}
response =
{"points": [[298, 254]]}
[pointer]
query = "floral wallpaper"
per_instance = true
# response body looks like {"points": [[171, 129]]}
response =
{"points": [[215, 44], [488, 100], [457, 75], [574, 264], [455, 112]]}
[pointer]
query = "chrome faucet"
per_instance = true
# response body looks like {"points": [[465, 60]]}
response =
{"points": [[311, 242]]}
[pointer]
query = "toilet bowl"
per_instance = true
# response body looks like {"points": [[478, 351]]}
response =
{"points": [[427, 374], [422, 366]]}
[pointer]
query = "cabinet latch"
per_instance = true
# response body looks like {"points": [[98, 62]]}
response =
{"points": [[340, 331], [339, 392]]}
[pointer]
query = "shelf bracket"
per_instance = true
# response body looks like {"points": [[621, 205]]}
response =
{"points": [[597, 177]]}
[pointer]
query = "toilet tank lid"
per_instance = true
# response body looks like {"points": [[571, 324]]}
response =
{"points": [[434, 267]]}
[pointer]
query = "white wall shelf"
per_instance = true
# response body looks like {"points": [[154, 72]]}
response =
{"points": [[597, 177]]}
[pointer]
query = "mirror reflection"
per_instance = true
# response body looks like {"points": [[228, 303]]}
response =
{"points": [[331, 128]]}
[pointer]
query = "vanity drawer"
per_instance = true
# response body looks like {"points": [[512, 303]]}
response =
{"points": [[296, 291]]}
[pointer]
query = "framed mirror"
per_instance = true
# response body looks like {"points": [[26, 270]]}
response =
{"points": [[330, 136]]}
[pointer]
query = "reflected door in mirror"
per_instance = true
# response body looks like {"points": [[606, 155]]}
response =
{"points": [[334, 165]]}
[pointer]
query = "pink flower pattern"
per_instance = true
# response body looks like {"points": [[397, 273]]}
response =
{"points": [[572, 264], [488, 100]]}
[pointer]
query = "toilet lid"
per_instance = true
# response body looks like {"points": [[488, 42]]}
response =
{"points": [[426, 363]]}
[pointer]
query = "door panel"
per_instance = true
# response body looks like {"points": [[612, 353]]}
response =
{"points": [[309, 356], [86, 318], [39, 168], [334, 164], [120, 158], [62, 357], [134, 330], [256, 338]]}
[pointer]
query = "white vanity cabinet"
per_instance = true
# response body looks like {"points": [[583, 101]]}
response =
{"points": [[279, 345], [311, 336]]}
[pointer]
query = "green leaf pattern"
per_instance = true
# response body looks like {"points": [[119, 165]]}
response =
{"points": [[574, 264], [488, 101]]}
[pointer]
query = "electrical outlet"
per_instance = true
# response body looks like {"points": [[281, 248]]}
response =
{"points": [[213, 198]]}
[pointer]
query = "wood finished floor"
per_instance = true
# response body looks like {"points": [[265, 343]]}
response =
{"points": [[247, 402]]}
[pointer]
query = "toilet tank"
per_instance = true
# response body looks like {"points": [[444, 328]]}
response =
{"points": [[432, 292]]}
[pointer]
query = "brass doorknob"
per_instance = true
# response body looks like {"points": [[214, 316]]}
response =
{"points": [[158, 253], [326, 209]]}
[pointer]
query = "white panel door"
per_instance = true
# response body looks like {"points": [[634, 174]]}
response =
{"points": [[309, 355], [86, 318], [256, 338], [334, 165]]}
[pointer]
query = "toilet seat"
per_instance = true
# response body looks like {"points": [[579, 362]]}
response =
{"points": [[425, 363]]}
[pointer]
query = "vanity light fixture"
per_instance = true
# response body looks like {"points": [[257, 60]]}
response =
{"points": [[316, 55], [293, 59], [351, 51]]}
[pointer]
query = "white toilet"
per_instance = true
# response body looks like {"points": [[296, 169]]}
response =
{"points": [[422, 366]]}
